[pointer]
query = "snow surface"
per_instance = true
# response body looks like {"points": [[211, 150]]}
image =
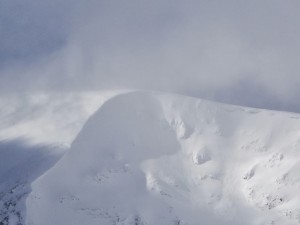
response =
{"points": [[35, 131], [152, 158], [20, 165]]}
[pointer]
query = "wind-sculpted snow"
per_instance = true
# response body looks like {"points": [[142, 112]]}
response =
{"points": [[35, 131], [149, 158]]}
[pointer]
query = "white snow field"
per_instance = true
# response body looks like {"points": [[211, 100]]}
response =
{"points": [[35, 131], [159, 159]]}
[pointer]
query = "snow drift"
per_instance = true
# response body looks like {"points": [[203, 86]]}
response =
{"points": [[151, 158]]}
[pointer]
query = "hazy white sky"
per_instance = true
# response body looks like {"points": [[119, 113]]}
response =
{"points": [[242, 52]]}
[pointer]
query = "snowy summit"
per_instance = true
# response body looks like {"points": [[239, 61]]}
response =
{"points": [[149, 158]]}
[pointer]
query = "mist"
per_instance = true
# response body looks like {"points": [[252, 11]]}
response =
{"points": [[238, 52]]}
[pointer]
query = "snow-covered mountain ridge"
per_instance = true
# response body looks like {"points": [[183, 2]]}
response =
{"points": [[151, 158]]}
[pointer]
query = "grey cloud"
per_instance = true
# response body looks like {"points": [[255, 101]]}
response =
{"points": [[242, 52], [32, 28]]}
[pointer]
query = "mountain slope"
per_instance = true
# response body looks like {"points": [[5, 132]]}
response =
{"points": [[149, 158], [35, 131]]}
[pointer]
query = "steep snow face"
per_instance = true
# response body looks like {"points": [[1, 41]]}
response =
{"points": [[35, 131], [148, 158]]}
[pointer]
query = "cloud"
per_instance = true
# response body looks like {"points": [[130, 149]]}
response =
{"points": [[233, 51]]}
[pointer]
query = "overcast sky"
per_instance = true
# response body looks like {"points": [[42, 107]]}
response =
{"points": [[240, 52]]}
